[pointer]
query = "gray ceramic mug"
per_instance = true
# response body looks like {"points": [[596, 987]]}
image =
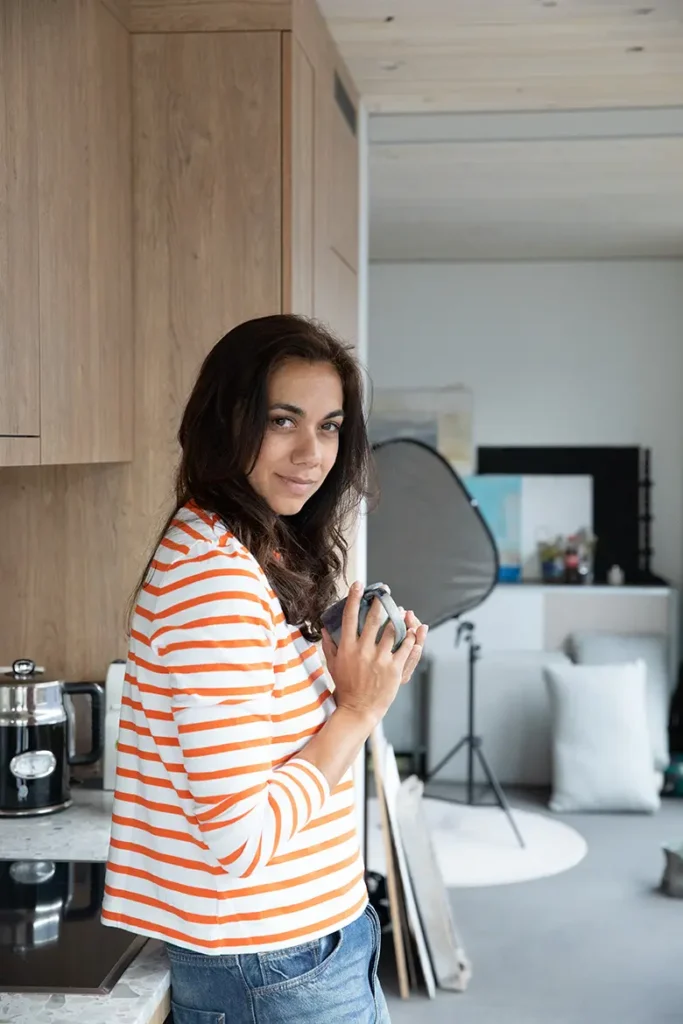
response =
{"points": [[332, 617]]}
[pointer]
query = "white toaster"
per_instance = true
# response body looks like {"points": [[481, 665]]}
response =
{"points": [[113, 691]]}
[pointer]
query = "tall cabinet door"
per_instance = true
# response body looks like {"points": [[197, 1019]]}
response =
{"points": [[298, 178], [19, 310], [335, 293], [208, 216], [207, 256], [320, 239]]}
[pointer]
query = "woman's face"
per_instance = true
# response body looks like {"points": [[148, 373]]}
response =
{"points": [[301, 442]]}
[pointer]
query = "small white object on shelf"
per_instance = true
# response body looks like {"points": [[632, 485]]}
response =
{"points": [[615, 576]]}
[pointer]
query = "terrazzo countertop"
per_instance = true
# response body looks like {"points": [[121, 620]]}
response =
{"points": [[82, 833]]}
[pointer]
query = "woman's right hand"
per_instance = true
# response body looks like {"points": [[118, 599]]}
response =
{"points": [[366, 674]]}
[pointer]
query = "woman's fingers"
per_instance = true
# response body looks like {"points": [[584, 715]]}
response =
{"points": [[412, 621], [373, 621], [416, 653], [407, 656], [403, 653], [349, 627], [386, 644], [411, 664]]}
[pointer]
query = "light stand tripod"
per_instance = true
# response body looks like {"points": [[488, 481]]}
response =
{"points": [[473, 742]]}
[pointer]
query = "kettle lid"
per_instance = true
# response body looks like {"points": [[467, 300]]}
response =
{"points": [[24, 670]]}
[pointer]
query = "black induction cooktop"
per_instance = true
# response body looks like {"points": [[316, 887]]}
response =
{"points": [[51, 937]]}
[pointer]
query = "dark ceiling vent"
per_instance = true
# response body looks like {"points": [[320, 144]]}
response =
{"points": [[345, 103]]}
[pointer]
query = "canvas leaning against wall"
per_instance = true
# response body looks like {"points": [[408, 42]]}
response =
{"points": [[439, 417]]}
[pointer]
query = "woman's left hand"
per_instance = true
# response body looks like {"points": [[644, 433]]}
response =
{"points": [[413, 623]]}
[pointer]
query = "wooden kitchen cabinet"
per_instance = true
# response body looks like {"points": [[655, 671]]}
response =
{"points": [[321, 195], [66, 332], [244, 190], [66, 195]]}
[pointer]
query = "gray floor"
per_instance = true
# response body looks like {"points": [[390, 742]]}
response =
{"points": [[595, 945]]}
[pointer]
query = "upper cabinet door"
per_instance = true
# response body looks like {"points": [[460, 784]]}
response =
{"points": [[85, 232], [66, 317], [19, 312]]}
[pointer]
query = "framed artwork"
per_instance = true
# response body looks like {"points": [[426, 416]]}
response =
{"points": [[499, 499], [523, 512]]}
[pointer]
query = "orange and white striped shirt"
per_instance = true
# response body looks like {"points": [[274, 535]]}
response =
{"points": [[223, 840]]}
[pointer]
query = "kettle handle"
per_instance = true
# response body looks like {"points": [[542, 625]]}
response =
{"points": [[94, 905], [96, 692]]}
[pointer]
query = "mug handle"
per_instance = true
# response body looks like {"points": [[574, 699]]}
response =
{"points": [[394, 617]]}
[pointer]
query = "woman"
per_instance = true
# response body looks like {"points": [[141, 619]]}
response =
{"points": [[233, 835]]}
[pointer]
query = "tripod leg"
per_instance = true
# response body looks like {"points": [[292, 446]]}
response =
{"points": [[471, 660], [500, 795], [470, 774], [444, 760]]}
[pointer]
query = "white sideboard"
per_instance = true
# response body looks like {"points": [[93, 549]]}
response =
{"points": [[521, 628]]}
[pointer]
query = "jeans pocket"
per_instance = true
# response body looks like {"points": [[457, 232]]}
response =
{"points": [[376, 926], [183, 1015], [288, 968]]}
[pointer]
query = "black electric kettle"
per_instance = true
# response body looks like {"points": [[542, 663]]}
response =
{"points": [[35, 740]]}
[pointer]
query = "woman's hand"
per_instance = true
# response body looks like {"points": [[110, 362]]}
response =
{"points": [[412, 622], [366, 674]]}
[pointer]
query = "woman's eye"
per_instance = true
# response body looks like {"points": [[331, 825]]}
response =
{"points": [[331, 428], [281, 422]]}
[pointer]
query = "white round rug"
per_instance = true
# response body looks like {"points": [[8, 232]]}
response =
{"points": [[476, 845]]}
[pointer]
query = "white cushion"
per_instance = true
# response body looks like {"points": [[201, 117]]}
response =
{"points": [[602, 755], [593, 648]]}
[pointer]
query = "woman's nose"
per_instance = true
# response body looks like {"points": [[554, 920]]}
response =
{"points": [[307, 449]]}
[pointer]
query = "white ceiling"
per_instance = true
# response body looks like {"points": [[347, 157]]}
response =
{"points": [[595, 185], [520, 129], [490, 55]]}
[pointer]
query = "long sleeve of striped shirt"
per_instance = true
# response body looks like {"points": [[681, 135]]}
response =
{"points": [[214, 637]]}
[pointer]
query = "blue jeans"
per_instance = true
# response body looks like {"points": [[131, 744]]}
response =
{"points": [[331, 980]]}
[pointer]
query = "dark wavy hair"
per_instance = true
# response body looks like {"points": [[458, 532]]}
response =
{"points": [[220, 435]]}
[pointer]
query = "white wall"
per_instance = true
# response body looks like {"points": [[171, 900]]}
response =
{"points": [[556, 353]]}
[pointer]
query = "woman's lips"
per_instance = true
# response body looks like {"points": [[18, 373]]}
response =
{"points": [[295, 484]]}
